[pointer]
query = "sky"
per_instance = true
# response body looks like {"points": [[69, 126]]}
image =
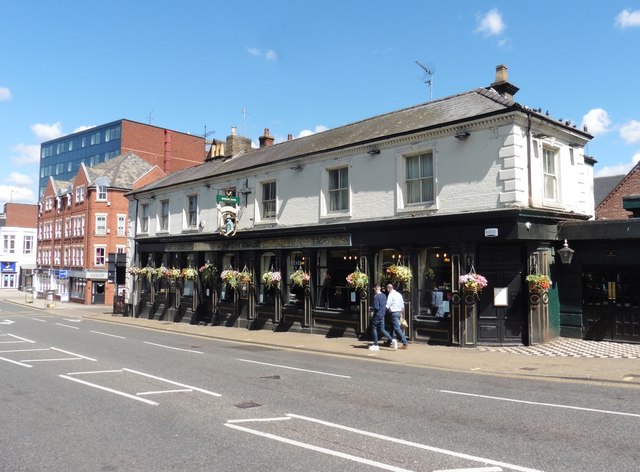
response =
{"points": [[298, 67]]}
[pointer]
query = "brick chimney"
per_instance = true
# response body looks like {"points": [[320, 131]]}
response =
{"points": [[236, 144], [265, 139], [502, 84]]}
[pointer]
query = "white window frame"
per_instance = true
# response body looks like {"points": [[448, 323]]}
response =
{"points": [[80, 194], [9, 244], [326, 211], [264, 213], [122, 225], [144, 218], [420, 180], [163, 218], [550, 177], [191, 213], [101, 193], [96, 250], [27, 245], [101, 224]]}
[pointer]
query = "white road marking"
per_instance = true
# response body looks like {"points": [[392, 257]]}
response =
{"points": [[7, 322], [416, 445], [51, 359], [473, 469], [38, 319], [295, 368], [14, 362], [67, 326], [25, 350], [106, 389], [181, 390], [95, 372], [16, 337], [258, 420], [176, 348], [107, 334], [553, 405], [73, 354], [73, 320], [197, 389], [330, 452]]}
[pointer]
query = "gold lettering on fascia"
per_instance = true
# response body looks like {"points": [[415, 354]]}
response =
{"points": [[280, 243]]}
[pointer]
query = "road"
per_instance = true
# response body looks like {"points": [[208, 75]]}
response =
{"points": [[82, 395]]}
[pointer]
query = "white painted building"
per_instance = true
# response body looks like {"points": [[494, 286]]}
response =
{"points": [[473, 181], [18, 236]]}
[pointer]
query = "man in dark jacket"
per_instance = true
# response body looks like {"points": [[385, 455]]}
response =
{"points": [[379, 309]]}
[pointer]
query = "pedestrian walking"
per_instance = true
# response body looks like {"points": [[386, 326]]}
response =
{"points": [[377, 322], [395, 305]]}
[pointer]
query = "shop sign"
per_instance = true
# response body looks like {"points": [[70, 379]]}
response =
{"points": [[96, 274], [8, 266]]}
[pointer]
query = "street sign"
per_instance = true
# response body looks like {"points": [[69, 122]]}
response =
{"points": [[225, 199], [62, 274]]}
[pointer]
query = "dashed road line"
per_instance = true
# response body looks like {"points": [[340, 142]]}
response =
{"points": [[295, 368], [175, 348]]}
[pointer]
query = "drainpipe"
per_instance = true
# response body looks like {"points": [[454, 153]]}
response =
{"points": [[168, 138], [133, 294]]}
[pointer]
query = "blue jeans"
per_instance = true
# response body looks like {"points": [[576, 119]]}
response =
{"points": [[378, 322], [395, 320]]}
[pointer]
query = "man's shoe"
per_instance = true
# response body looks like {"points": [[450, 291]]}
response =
{"points": [[394, 344], [404, 346], [374, 347], [387, 343]]}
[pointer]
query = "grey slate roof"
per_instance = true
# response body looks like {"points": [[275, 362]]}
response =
{"points": [[431, 115], [603, 186], [121, 171]]}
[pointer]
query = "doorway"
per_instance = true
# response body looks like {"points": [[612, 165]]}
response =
{"points": [[97, 293], [611, 303]]}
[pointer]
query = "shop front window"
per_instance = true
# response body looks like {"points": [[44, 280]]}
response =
{"points": [[228, 263], [434, 282], [295, 262], [390, 267], [268, 263], [333, 267]]}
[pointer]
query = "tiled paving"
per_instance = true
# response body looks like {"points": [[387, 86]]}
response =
{"points": [[567, 347]]}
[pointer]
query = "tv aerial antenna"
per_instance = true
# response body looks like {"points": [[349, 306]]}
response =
{"points": [[429, 77]]}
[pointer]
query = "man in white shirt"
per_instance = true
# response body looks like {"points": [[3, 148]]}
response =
{"points": [[395, 305]]}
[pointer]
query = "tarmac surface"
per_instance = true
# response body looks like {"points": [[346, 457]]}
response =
{"points": [[562, 359]]}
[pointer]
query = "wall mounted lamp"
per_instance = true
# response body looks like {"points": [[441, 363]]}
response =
{"points": [[566, 253], [298, 168], [373, 152], [462, 135]]}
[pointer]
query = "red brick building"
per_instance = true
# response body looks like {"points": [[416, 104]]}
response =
{"points": [[618, 203], [81, 222]]}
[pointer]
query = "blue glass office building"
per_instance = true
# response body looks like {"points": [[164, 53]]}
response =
{"points": [[61, 157]]}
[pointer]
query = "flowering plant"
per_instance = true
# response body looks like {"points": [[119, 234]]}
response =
{"points": [[399, 273], [189, 273], [230, 278], [538, 282], [245, 276], [473, 282], [272, 279], [134, 270], [207, 271], [300, 278], [147, 272], [162, 271], [357, 280]]}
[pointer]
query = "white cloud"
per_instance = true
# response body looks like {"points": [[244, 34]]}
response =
{"points": [[630, 132], [628, 19], [619, 169], [597, 121], [5, 94], [490, 24], [19, 179], [10, 193], [308, 132], [46, 132], [27, 154], [269, 54]]}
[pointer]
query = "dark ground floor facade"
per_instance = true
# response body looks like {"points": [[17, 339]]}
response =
{"points": [[500, 247]]}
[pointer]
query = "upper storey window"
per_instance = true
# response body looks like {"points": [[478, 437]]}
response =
{"points": [[338, 189], [419, 175]]}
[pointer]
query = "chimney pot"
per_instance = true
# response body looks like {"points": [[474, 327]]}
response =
{"points": [[265, 139], [502, 74], [289, 137], [234, 131]]}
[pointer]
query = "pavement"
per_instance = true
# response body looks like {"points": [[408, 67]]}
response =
{"points": [[562, 359]]}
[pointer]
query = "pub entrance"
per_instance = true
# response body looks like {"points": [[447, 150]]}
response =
{"points": [[611, 303]]}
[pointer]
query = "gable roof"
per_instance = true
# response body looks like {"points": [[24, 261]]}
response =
{"points": [[603, 186], [120, 172], [448, 111]]}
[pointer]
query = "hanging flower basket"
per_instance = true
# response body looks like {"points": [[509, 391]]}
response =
{"points": [[357, 280], [399, 274], [300, 278], [163, 272], [245, 277], [472, 282], [189, 273], [134, 270], [272, 279], [207, 272], [538, 283], [230, 278]]}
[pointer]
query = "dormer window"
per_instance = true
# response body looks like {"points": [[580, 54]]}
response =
{"points": [[101, 193]]}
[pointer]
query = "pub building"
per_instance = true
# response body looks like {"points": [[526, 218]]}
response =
{"points": [[293, 236]]}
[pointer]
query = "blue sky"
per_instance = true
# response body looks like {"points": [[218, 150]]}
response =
{"points": [[300, 67]]}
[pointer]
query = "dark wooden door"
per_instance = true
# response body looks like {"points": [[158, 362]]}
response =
{"points": [[611, 303], [503, 267]]}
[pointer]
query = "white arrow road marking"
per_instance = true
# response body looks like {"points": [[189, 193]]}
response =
{"points": [[7, 322]]}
